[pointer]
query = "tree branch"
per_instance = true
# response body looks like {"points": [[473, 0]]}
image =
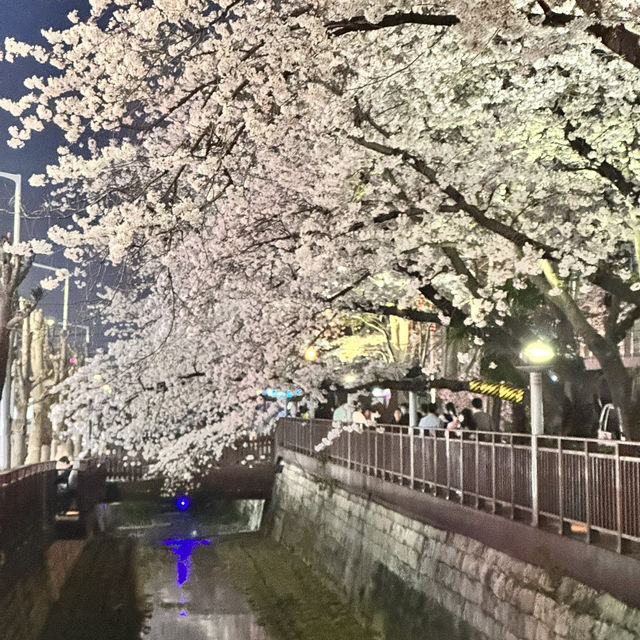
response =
{"points": [[491, 224], [605, 169], [421, 383], [393, 310], [617, 39], [359, 23]]}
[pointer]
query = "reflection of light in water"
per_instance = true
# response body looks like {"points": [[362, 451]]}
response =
{"points": [[183, 549]]}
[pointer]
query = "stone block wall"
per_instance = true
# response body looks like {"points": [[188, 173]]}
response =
{"points": [[24, 610], [411, 581]]}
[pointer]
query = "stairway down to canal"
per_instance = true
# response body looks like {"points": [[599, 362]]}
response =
{"points": [[201, 574]]}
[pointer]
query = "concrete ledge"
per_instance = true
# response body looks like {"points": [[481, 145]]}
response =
{"points": [[593, 566]]}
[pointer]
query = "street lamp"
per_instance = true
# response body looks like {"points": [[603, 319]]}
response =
{"points": [[537, 354]]}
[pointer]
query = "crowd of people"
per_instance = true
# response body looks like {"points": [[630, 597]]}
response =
{"points": [[430, 416]]}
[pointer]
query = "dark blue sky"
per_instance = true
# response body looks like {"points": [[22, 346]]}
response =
{"points": [[23, 20]]}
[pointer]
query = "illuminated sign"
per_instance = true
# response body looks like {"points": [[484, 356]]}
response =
{"points": [[499, 389], [277, 393]]}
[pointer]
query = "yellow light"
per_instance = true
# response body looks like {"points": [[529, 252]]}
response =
{"points": [[311, 354], [538, 352], [349, 379], [97, 377], [106, 388], [51, 321]]}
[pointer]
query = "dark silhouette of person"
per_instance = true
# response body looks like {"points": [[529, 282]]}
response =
{"points": [[467, 420], [65, 492]]}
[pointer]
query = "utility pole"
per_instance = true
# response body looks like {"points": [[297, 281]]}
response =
{"points": [[5, 402]]}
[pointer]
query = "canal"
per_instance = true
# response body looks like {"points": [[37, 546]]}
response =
{"points": [[208, 573]]}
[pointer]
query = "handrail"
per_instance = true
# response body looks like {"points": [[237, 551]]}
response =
{"points": [[18, 473], [576, 485], [249, 451]]}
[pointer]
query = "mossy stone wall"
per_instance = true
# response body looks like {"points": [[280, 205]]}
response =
{"points": [[411, 581]]}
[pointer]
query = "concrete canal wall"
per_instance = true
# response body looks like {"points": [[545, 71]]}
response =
{"points": [[411, 580], [26, 605]]}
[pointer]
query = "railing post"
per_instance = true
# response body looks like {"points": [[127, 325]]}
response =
{"points": [[447, 460], [535, 512], [560, 488], [513, 479], [477, 471], [369, 432], [618, 500], [424, 461], [493, 471], [375, 455], [411, 461], [587, 491], [348, 449], [461, 467], [435, 460], [401, 438]]}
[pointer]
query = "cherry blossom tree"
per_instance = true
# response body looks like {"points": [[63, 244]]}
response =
{"points": [[266, 170]]}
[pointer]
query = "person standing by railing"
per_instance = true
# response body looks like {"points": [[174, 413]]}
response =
{"points": [[363, 416], [404, 408], [66, 482], [430, 420], [449, 417], [480, 417], [342, 413], [467, 420]]}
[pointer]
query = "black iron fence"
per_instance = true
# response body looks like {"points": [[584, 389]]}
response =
{"points": [[574, 485]]}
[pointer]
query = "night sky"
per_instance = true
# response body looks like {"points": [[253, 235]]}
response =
{"points": [[23, 20]]}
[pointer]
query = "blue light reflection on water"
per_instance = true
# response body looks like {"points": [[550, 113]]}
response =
{"points": [[182, 549]]}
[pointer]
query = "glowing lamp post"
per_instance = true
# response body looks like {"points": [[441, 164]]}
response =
{"points": [[537, 354]]}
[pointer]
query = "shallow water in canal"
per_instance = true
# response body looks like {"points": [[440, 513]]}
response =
{"points": [[187, 596], [198, 575], [185, 593], [157, 577]]}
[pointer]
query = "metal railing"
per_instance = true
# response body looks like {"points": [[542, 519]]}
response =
{"points": [[124, 470], [27, 508], [26, 503], [574, 485], [244, 451], [248, 451]]}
